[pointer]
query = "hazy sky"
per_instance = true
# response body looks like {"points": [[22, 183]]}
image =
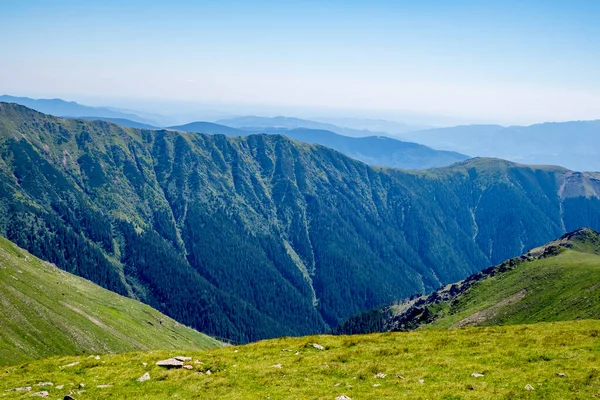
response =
{"points": [[506, 61]]}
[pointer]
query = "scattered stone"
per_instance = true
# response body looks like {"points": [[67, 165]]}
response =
{"points": [[561, 374], [421, 381], [183, 359], [103, 386], [297, 353], [208, 372], [318, 346], [81, 385], [170, 363], [277, 366], [198, 362], [477, 375], [96, 357], [22, 389], [379, 375], [144, 378], [188, 367], [399, 377], [376, 385], [235, 351], [529, 387], [40, 394], [145, 364], [45, 384], [71, 365], [60, 387], [343, 397]]}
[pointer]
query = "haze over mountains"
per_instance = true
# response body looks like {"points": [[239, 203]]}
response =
{"points": [[261, 236], [572, 144]]}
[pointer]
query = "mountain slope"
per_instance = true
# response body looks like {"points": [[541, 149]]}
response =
{"points": [[261, 236], [555, 282], [210, 128], [45, 311], [570, 144], [379, 150], [427, 364]]}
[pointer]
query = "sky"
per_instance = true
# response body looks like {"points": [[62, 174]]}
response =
{"points": [[510, 62]]}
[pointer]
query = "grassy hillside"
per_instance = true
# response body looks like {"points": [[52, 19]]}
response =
{"points": [[430, 364], [556, 282], [45, 311]]}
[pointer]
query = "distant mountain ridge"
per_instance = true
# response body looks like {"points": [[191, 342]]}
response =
{"points": [[554, 282], [573, 144], [62, 108], [379, 150], [255, 124]]}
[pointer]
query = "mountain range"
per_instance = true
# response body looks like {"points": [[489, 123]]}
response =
{"points": [[571, 144], [261, 236]]}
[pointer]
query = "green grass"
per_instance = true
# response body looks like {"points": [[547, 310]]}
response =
{"points": [[45, 311], [558, 288], [510, 358]]}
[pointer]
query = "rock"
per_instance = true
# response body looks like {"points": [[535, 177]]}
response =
{"points": [[96, 357], [379, 375], [81, 385], [188, 367], [60, 387], [22, 389], [145, 364], [561, 374], [208, 372], [183, 358], [421, 381], [297, 353], [318, 346], [45, 384], [198, 362], [71, 365], [477, 375], [529, 387], [277, 366], [144, 378], [170, 363], [343, 397], [40, 394], [376, 385]]}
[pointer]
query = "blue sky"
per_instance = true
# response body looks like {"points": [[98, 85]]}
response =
{"points": [[510, 62]]}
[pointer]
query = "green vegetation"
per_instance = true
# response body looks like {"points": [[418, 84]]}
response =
{"points": [[45, 311], [428, 364], [557, 282], [261, 236]]}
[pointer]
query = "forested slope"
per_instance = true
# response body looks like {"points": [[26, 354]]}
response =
{"points": [[261, 236]]}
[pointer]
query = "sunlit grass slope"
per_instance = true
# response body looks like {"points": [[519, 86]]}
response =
{"points": [[424, 364], [45, 311]]}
